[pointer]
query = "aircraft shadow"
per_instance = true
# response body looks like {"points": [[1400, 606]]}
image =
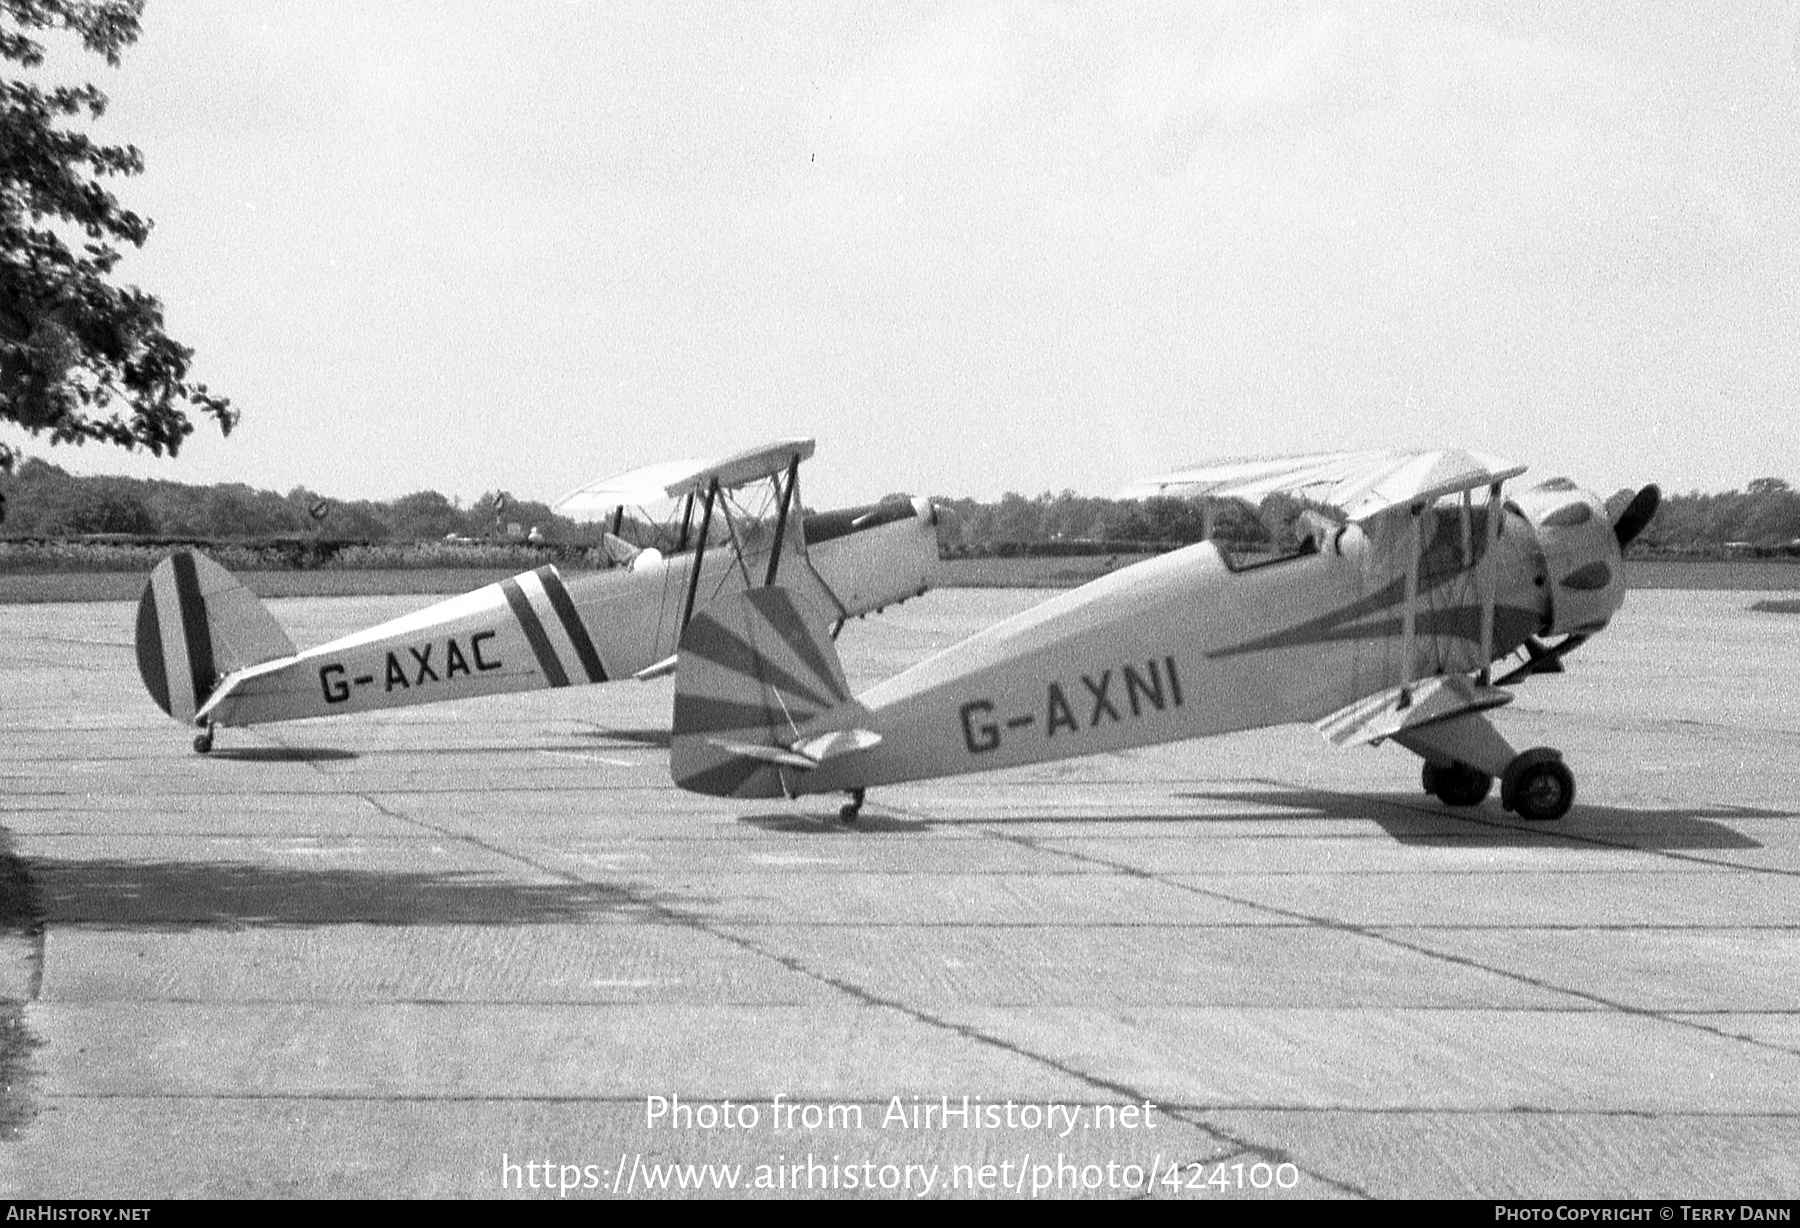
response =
{"points": [[1411, 818], [282, 754], [827, 823], [185, 895]]}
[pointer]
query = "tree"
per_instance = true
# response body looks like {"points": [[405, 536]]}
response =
{"points": [[80, 358]]}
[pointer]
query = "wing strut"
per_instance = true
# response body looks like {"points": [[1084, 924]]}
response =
{"points": [[1489, 587], [1411, 615], [712, 494], [687, 523], [787, 498]]}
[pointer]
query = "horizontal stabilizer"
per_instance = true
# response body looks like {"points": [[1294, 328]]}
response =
{"points": [[806, 754], [767, 754], [837, 744], [661, 669], [1399, 709]]}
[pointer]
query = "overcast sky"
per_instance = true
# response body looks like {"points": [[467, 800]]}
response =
{"points": [[969, 247]]}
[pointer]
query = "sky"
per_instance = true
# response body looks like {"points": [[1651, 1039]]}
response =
{"points": [[968, 247]]}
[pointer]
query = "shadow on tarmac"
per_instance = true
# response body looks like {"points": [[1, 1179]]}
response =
{"points": [[1407, 817], [1412, 819], [187, 895], [827, 823], [281, 754]]}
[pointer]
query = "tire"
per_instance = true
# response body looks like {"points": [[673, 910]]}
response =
{"points": [[1538, 787], [1457, 785]]}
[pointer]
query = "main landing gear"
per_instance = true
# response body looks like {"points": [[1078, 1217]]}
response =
{"points": [[1537, 785], [850, 809], [1457, 784], [203, 741]]}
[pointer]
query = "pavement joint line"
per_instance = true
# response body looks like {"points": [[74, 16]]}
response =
{"points": [[1377, 935], [1244, 1145], [1178, 1112], [1274, 1156], [794, 964]]}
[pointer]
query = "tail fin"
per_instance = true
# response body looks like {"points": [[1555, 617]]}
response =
{"points": [[754, 673], [195, 624]]}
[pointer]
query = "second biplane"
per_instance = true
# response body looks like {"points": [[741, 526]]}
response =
{"points": [[1384, 618], [681, 536]]}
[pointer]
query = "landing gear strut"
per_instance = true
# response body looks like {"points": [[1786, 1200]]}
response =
{"points": [[850, 809], [1463, 756]]}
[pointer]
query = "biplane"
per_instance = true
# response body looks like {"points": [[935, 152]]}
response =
{"points": [[1401, 600], [679, 536]]}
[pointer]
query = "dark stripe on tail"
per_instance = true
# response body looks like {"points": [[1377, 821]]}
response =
{"points": [[571, 623], [710, 640], [151, 666], [703, 714], [725, 779], [194, 628], [795, 634], [534, 633]]}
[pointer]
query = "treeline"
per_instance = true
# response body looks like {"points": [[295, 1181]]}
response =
{"points": [[1076, 523], [42, 500], [1763, 518]]}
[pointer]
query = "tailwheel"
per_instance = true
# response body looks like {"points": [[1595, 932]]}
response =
{"points": [[203, 741], [850, 809], [1538, 786], [1456, 784]]}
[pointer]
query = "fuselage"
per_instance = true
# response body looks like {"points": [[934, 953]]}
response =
{"points": [[1194, 643], [539, 629]]}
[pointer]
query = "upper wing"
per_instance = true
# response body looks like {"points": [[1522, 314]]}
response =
{"points": [[1361, 485], [674, 479]]}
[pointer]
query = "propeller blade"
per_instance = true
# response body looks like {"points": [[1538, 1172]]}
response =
{"points": [[1638, 513]]}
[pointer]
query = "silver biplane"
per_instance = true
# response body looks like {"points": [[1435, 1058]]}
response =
{"points": [[680, 536], [1407, 580]]}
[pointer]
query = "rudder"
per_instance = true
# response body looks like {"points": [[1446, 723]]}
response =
{"points": [[753, 670], [197, 623]]}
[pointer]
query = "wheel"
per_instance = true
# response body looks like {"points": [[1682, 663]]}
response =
{"points": [[203, 741], [850, 809], [1538, 786], [1458, 784]]}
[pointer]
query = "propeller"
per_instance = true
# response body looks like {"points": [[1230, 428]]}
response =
{"points": [[1547, 659], [1638, 513]]}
